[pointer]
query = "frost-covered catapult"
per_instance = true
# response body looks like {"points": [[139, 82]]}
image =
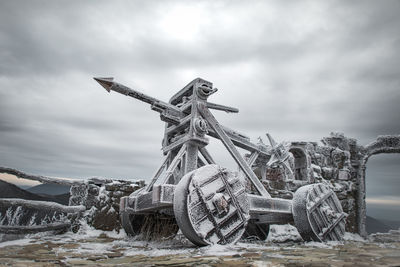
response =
{"points": [[210, 204]]}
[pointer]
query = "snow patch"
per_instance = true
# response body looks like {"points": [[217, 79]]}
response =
{"points": [[87, 231], [353, 237], [19, 242], [317, 244], [283, 233]]}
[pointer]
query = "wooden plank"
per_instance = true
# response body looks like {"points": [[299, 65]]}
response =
{"points": [[239, 142], [333, 225], [206, 155], [254, 155], [182, 124], [34, 228], [222, 107], [174, 164], [40, 205], [320, 200], [186, 106]]}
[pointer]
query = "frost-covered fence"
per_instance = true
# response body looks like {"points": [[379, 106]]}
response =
{"points": [[21, 230], [95, 200], [42, 205], [21, 220], [21, 216], [28, 216]]}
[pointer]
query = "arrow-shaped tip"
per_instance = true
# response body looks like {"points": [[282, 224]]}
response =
{"points": [[105, 82]]}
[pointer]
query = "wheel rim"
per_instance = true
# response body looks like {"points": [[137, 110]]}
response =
{"points": [[318, 214], [211, 206]]}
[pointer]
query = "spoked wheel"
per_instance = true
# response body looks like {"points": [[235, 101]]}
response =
{"points": [[256, 231], [149, 226], [211, 206], [318, 214]]}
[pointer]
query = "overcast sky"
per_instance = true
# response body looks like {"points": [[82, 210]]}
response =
{"points": [[295, 69]]}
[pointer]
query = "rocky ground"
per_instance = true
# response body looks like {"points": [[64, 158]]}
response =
{"points": [[96, 248]]}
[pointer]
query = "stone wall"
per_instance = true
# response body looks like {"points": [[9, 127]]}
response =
{"points": [[101, 199], [383, 144], [340, 162], [336, 162]]}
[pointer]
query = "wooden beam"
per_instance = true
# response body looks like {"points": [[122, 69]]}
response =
{"points": [[206, 155], [229, 145], [34, 228], [239, 141], [40, 205]]}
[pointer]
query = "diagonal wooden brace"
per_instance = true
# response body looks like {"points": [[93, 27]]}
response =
{"points": [[213, 123]]}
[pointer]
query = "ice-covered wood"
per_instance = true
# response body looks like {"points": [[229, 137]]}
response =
{"points": [[21, 230], [317, 213], [185, 139], [211, 206], [232, 150], [41, 205]]}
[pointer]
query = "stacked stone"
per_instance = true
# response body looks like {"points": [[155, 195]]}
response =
{"points": [[101, 199], [339, 160], [335, 163], [342, 157], [78, 194]]}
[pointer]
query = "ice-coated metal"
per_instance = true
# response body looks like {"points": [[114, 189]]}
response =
{"points": [[318, 214], [211, 206]]}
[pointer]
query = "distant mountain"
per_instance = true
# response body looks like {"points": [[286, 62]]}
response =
{"points": [[8, 190], [24, 186], [62, 199], [376, 226], [49, 189], [392, 224]]}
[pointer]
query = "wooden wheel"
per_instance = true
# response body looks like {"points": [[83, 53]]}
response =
{"points": [[211, 206], [318, 214]]}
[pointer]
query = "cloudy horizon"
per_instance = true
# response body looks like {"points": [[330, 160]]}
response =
{"points": [[295, 69]]}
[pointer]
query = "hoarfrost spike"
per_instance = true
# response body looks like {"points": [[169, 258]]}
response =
{"points": [[105, 82], [272, 141]]}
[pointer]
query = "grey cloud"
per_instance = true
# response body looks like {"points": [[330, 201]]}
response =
{"points": [[64, 44], [296, 69]]}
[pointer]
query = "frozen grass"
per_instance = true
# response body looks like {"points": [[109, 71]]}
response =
{"points": [[283, 233]]}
